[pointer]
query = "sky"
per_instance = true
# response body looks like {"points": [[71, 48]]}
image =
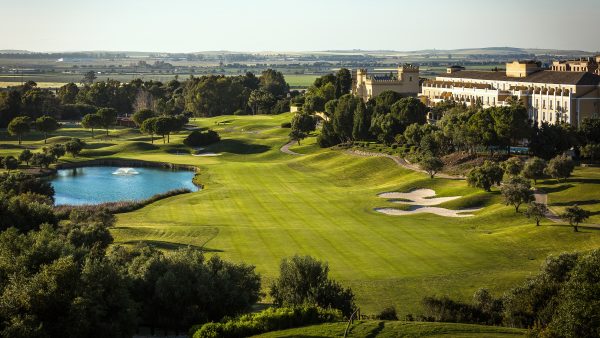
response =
{"points": [[307, 25]]}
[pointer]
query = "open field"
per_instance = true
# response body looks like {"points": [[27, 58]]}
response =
{"points": [[384, 329], [260, 205]]}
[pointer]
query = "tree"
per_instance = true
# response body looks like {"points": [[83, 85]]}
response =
{"points": [[589, 130], [549, 140], [162, 126], [575, 215], [10, 163], [274, 82], [108, 117], [25, 156], [140, 116], [536, 211], [302, 124], [46, 124], [576, 314], [431, 165], [91, 121], [199, 138], [303, 279], [297, 135], [512, 167], [516, 192], [343, 116], [67, 94], [148, 127], [534, 169], [261, 101], [409, 110], [42, 160], [485, 176], [19, 126], [561, 167], [89, 77], [343, 82], [56, 151], [74, 146], [591, 151]]}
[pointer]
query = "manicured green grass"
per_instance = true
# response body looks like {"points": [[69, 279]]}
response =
{"points": [[260, 205], [382, 329], [300, 80]]}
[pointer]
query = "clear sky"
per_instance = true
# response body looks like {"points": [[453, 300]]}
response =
{"points": [[268, 25]]}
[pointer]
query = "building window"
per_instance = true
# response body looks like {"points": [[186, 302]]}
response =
{"points": [[410, 78], [543, 104], [550, 104]]}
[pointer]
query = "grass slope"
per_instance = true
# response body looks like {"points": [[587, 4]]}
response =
{"points": [[260, 205], [382, 329]]}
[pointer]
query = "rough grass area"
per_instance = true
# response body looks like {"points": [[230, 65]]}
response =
{"points": [[383, 329], [259, 205]]}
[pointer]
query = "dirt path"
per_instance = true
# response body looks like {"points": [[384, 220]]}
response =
{"points": [[286, 149], [401, 162]]}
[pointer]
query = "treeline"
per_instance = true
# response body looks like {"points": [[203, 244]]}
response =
{"points": [[62, 276], [561, 301], [402, 122], [197, 96]]}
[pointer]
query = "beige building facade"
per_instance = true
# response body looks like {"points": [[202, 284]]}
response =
{"points": [[367, 86], [551, 96]]}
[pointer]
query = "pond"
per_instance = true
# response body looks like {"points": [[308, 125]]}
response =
{"points": [[95, 185]]}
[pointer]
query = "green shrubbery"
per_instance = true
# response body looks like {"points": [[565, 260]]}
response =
{"points": [[201, 138], [268, 320]]}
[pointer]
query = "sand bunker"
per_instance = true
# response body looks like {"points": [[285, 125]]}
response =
{"points": [[207, 154], [421, 201], [417, 197]]}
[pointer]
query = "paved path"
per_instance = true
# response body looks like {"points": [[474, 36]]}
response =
{"points": [[401, 162], [286, 149]]}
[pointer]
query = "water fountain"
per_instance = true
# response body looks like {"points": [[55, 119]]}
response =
{"points": [[125, 172]]}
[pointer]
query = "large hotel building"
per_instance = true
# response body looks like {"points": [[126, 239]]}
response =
{"points": [[568, 91]]}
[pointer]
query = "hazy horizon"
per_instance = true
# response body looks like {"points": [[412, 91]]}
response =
{"points": [[183, 26]]}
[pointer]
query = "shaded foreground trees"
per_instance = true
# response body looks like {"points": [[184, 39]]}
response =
{"points": [[305, 280], [57, 279], [562, 300]]}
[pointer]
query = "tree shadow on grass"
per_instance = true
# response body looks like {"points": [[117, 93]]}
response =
{"points": [[238, 147], [98, 145], [170, 245], [580, 203], [557, 188], [11, 146], [376, 330]]}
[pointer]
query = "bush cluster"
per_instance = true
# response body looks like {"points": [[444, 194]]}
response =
{"points": [[201, 138], [271, 319]]}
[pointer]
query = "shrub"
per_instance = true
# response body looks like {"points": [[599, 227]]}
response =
{"points": [[201, 138], [286, 125], [389, 313], [303, 279], [271, 319]]}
